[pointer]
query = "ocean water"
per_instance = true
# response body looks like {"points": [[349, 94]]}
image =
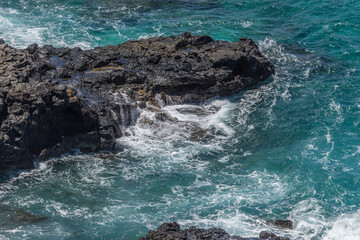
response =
{"points": [[287, 149]]}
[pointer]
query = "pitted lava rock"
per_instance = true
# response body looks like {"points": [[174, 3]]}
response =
{"points": [[53, 100], [172, 231]]}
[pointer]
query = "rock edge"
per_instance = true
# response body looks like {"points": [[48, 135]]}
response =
{"points": [[172, 231], [53, 100]]}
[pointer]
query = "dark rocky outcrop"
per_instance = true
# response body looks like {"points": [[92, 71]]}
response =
{"points": [[172, 231], [56, 99], [269, 235], [283, 223]]}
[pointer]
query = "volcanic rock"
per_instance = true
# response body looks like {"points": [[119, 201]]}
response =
{"points": [[172, 231], [283, 223], [53, 100]]}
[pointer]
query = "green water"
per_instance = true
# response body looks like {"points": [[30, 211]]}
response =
{"points": [[289, 148]]}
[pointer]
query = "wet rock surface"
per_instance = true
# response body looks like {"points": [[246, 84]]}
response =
{"points": [[172, 231], [283, 223], [53, 100]]}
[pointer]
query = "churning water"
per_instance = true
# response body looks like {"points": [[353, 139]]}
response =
{"points": [[288, 149]]}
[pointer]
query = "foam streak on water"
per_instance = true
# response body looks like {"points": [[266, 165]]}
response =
{"points": [[287, 149], [344, 227]]}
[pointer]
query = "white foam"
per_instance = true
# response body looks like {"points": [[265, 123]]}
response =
{"points": [[21, 32], [336, 108], [163, 149], [309, 219], [356, 152], [345, 227], [2, 237], [328, 135], [312, 147], [154, 146], [279, 89], [150, 35], [181, 123], [231, 199], [18, 35], [246, 24]]}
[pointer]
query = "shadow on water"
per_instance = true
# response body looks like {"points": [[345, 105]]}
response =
{"points": [[14, 217], [7, 175]]}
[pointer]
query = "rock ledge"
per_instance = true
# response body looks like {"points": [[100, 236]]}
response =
{"points": [[172, 231], [53, 100]]}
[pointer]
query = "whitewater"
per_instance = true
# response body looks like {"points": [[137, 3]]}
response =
{"points": [[288, 148]]}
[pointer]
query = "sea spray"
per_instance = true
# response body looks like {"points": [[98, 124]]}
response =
{"points": [[286, 149]]}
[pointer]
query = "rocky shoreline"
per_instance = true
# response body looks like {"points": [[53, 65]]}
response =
{"points": [[53, 100], [172, 231]]}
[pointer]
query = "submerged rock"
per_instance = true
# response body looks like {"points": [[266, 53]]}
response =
{"points": [[15, 217], [55, 99], [172, 231], [283, 223], [26, 217]]}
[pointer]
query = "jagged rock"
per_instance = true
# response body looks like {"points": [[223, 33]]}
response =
{"points": [[283, 223], [1, 105], [32, 48], [266, 235], [172, 231], [56, 99]]}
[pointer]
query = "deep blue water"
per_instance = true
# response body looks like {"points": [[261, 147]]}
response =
{"points": [[289, 148]]}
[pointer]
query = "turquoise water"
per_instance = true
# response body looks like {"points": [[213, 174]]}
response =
{"points": [[288, 149]]}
